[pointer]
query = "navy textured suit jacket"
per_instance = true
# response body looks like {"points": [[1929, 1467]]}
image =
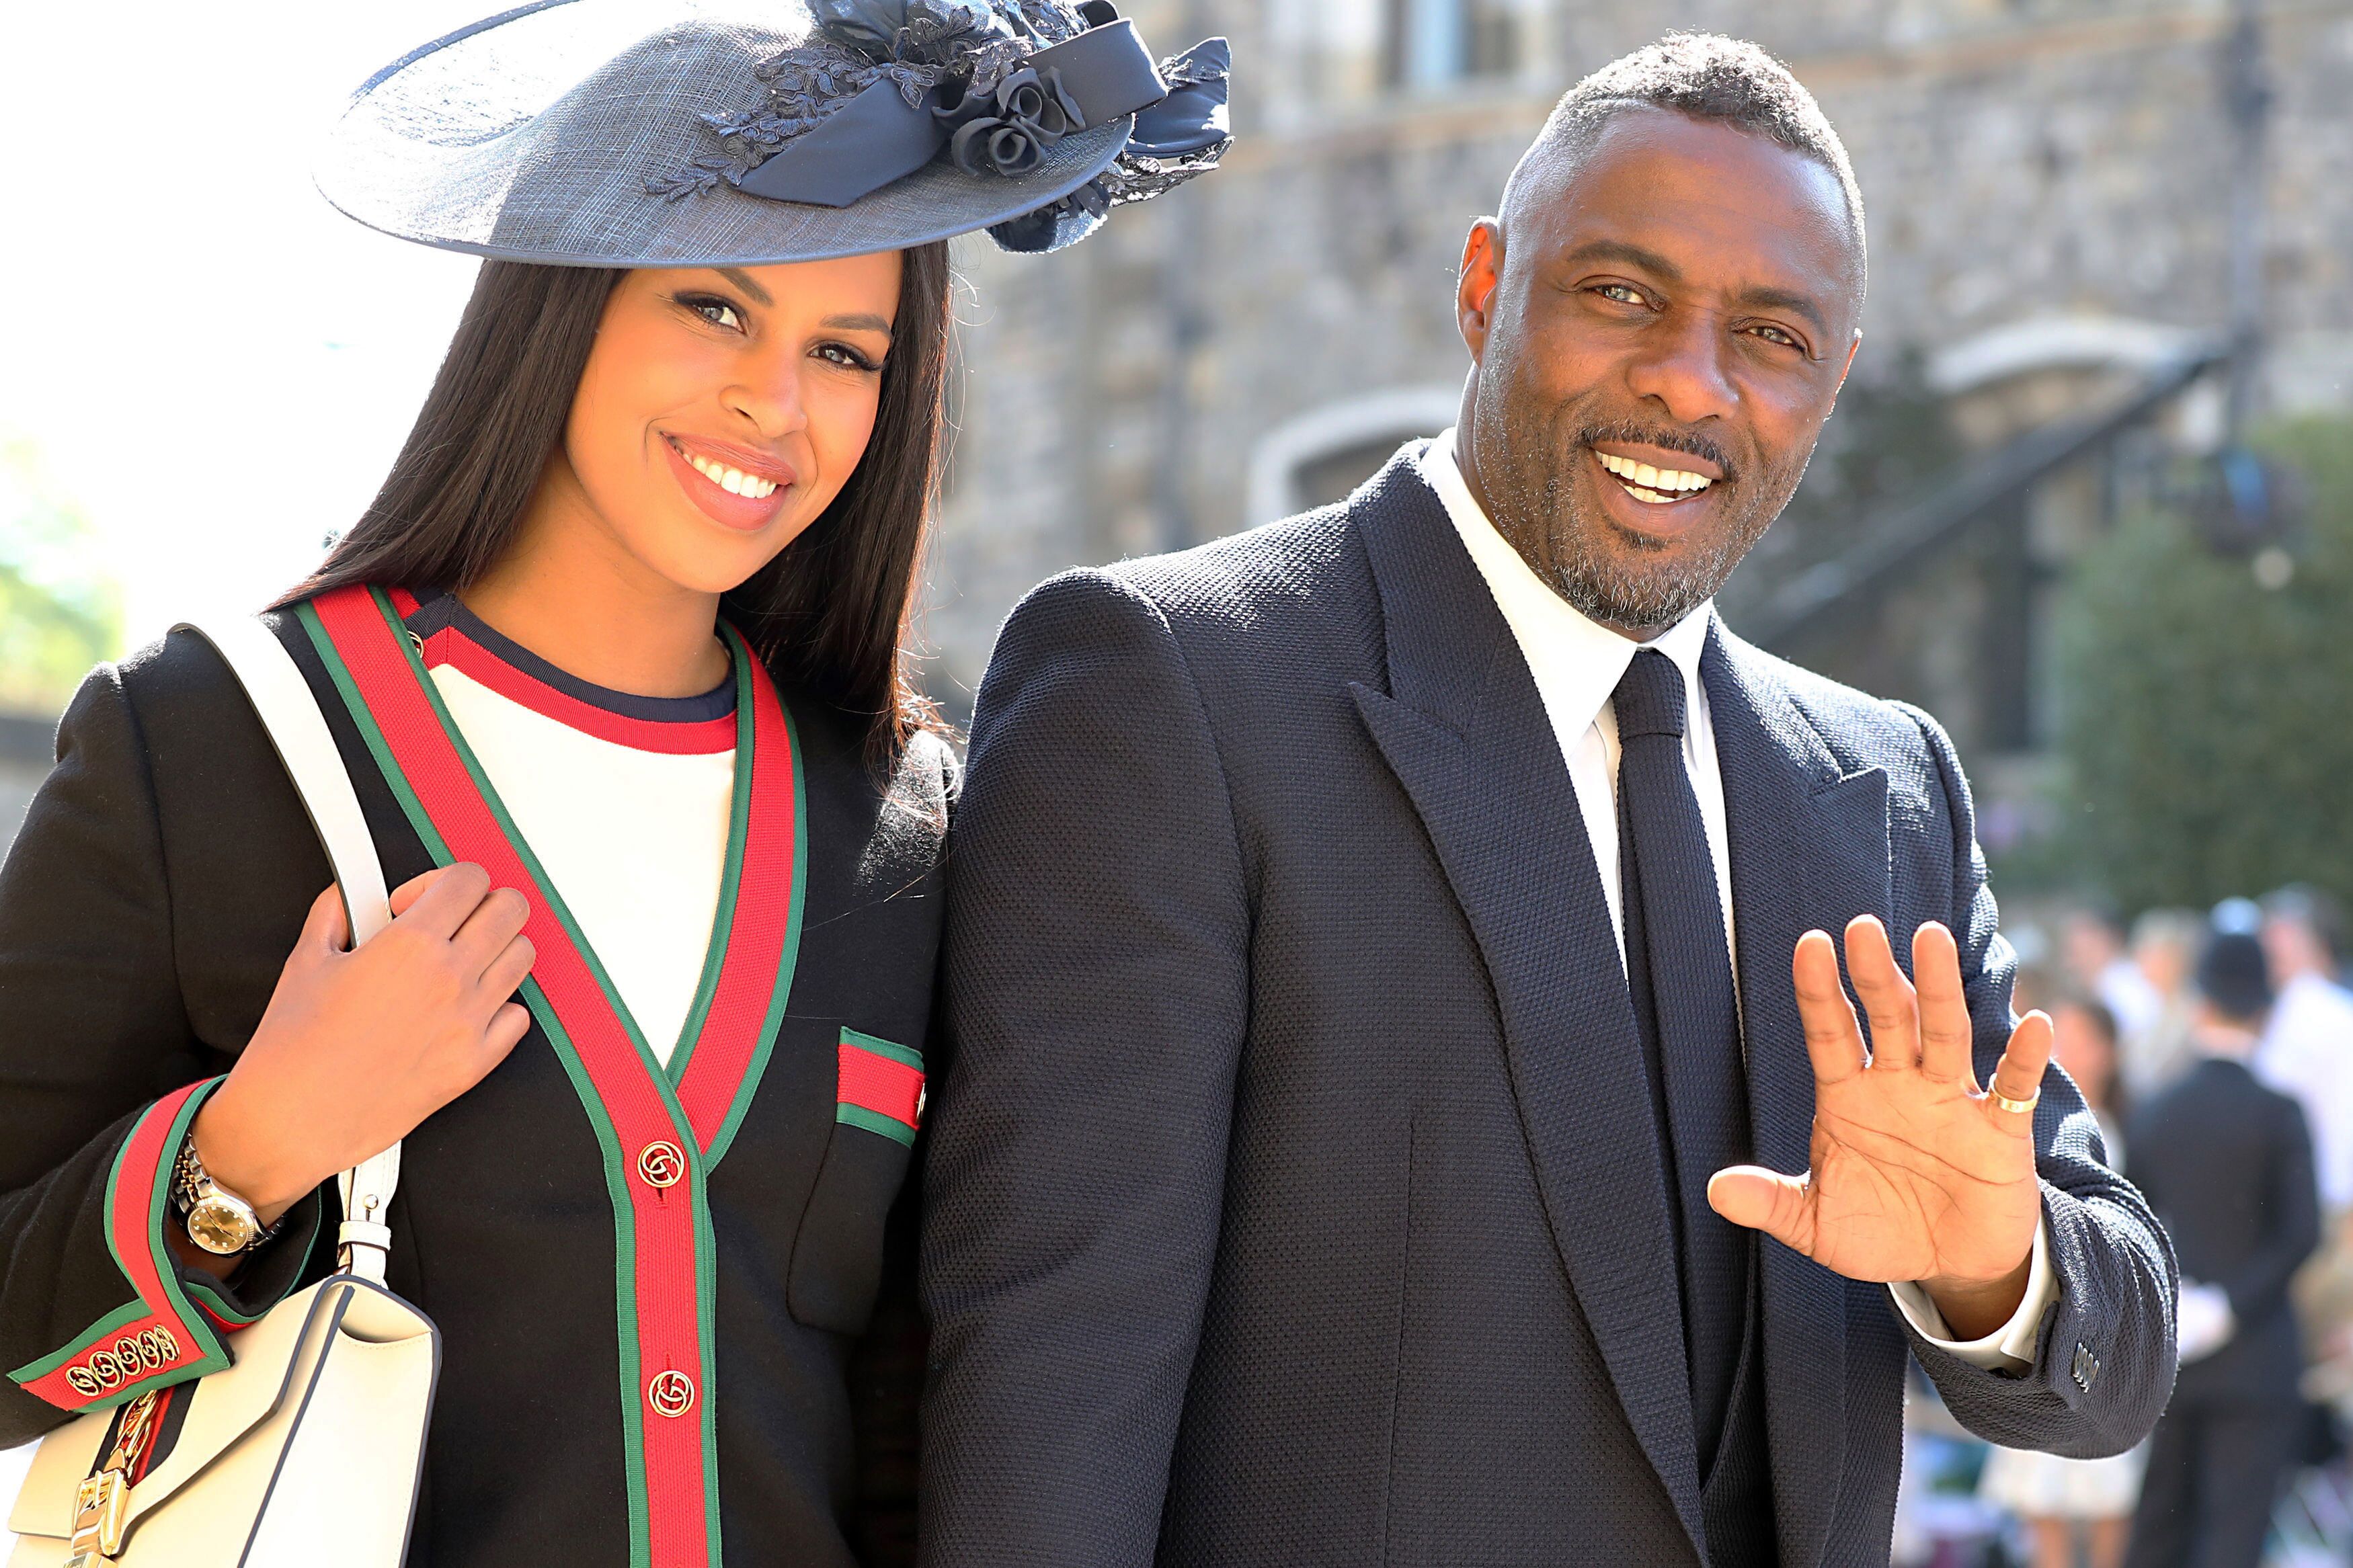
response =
{"points": [[1294, 1195]]}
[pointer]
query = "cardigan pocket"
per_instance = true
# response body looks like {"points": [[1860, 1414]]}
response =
{"points": [[837, 1265]]}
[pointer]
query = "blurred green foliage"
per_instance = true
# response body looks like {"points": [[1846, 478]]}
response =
{"points": [[2208, 718], [60, 611]]}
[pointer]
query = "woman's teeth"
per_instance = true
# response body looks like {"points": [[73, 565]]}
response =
{"points": [[1659, 487], [734, 481]]}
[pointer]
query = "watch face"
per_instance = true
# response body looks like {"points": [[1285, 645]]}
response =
{"points": [[219, 1225]]}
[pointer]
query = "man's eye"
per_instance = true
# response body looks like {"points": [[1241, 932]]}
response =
{"points": [[1775, 335], [1622, 293]]}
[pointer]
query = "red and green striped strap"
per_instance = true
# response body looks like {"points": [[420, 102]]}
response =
{"points": [[882, 1086]]}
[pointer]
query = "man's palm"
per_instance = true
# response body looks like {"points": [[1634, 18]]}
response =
{"points": [[1917, 1175]]}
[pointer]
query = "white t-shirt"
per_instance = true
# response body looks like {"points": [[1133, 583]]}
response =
{"points": [[626, 802]]}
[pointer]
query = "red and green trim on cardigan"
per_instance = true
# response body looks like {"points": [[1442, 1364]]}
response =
{"points": [[882, 1086], [452, 646], [169, 1331], [661, 1130]]}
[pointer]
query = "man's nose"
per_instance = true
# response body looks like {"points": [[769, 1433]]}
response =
{"points": [[1681, 365]]}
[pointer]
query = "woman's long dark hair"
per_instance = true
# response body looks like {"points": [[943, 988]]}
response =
{"points": [[827, 616]]}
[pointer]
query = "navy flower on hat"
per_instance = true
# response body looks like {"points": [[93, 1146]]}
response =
{"points": [[889, 86]]}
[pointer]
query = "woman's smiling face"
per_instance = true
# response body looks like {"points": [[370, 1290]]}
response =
{"points": [[722, 410]]}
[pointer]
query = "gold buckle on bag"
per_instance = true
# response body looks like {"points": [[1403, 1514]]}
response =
{"points": [[101, 1501]]}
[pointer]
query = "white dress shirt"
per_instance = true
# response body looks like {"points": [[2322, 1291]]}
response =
{"points": [[1576, 664]]}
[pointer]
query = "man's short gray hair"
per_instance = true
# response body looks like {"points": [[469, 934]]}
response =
{"points": [[1704, 76]]}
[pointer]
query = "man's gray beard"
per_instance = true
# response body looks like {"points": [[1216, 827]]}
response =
{"points": [[1529, 507]]}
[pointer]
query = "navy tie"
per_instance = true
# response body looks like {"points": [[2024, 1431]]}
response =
{"points": [[1679, 974]]}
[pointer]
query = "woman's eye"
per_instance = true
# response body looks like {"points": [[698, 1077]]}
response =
{"points": [[844, 355], [1622, 293], [718, 312]]}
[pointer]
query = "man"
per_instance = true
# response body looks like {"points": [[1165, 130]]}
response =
{"points": [[2094, 944], [2307, 1046], [1334, 1166], [2227, 1164]]}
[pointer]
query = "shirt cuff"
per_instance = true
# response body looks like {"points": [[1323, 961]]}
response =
{"points": [[2010, 1348]]}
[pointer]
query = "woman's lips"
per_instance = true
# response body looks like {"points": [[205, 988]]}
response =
{"points": [[707, 486]]}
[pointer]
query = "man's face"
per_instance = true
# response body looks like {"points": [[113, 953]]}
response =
{"points": [[1659, 342]]}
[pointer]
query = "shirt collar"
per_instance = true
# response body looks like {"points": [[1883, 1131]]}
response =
{"points": [[1577, 661]]}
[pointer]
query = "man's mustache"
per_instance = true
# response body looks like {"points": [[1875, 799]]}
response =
{"points": [[1665, 436]]}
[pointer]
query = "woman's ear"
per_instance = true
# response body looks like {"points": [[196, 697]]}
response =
{"points": [[1474, 286]]}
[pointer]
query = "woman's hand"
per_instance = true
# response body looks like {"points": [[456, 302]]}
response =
{"points": [[357, 1047]]}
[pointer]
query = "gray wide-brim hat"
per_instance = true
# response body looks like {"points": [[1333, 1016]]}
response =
{"points": [[701, 132]]}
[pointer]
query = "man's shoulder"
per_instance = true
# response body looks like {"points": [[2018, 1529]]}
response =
{"points": [[1291, 566], [1250, 595]]}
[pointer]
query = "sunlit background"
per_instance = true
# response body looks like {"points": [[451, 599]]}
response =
{"points": [[2089, 496]]}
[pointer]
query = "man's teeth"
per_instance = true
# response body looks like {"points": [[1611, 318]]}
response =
{"points": [[1657, 485], [734, 481]]}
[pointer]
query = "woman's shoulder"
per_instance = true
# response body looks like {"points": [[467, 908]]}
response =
{"points": [[173, 713]]}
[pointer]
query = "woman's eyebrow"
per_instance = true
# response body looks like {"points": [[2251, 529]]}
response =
{"points": [[857, 323], [743, 280]]}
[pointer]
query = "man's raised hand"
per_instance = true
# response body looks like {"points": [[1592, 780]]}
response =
{"points": [[1918, 1174]]}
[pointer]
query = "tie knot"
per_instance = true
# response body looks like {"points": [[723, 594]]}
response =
{"points": [[1650, 698]]}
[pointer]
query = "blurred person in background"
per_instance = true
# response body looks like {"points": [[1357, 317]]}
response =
{"points": [[2227, 1164], [2059, 1499], [2165, 945], [2307, 1051], [2092, 945], [2307, 1047]]}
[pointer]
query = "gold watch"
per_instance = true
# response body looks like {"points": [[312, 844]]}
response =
{"points": [[214, 1219]]}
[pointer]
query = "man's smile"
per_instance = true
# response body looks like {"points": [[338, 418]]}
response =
{"points": [[1653, 486]]}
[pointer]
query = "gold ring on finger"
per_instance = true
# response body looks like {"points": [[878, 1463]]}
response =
{"points": [[2022, 1106]]}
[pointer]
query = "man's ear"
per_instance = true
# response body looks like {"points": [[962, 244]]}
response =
{"points": [[1475, 287], [1851, 349]]}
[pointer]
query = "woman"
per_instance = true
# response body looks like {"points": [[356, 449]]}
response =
{"points": [[614, 662], [2059, 1499]]}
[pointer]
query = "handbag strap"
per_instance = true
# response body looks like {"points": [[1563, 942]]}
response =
{"points": [[282, 697]]}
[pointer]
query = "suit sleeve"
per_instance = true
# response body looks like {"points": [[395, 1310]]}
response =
{"points": [[2104, 1361], [2259, 1285], [1096, 985], [99, 1077]]}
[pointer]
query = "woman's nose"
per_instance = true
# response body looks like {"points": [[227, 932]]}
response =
{"points": [[769, 395]]}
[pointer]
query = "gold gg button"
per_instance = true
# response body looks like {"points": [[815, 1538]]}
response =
{"points": [[671, 1394], [662, 1164]]}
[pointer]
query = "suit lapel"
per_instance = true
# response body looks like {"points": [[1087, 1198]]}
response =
{"points": [[1466, 734], [1809, 850]]}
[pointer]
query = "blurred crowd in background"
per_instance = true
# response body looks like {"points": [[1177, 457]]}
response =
{"points": [[2171, 1023]]}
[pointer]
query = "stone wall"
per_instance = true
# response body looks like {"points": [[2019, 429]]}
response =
{"points": [[2021, 160]]}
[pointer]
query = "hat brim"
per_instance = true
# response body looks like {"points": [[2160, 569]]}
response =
{"points": [[534, 136]]}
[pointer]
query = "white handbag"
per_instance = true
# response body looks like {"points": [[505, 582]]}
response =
{"points": [[310, 1448]]}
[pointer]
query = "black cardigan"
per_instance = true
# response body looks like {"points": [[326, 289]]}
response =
{"points": [[145, 909]]}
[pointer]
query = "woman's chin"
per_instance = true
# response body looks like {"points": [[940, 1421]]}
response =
{"points": [[702, 559]]}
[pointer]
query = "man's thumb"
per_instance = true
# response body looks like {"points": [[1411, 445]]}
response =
{"points": [[1762, 1200]]}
